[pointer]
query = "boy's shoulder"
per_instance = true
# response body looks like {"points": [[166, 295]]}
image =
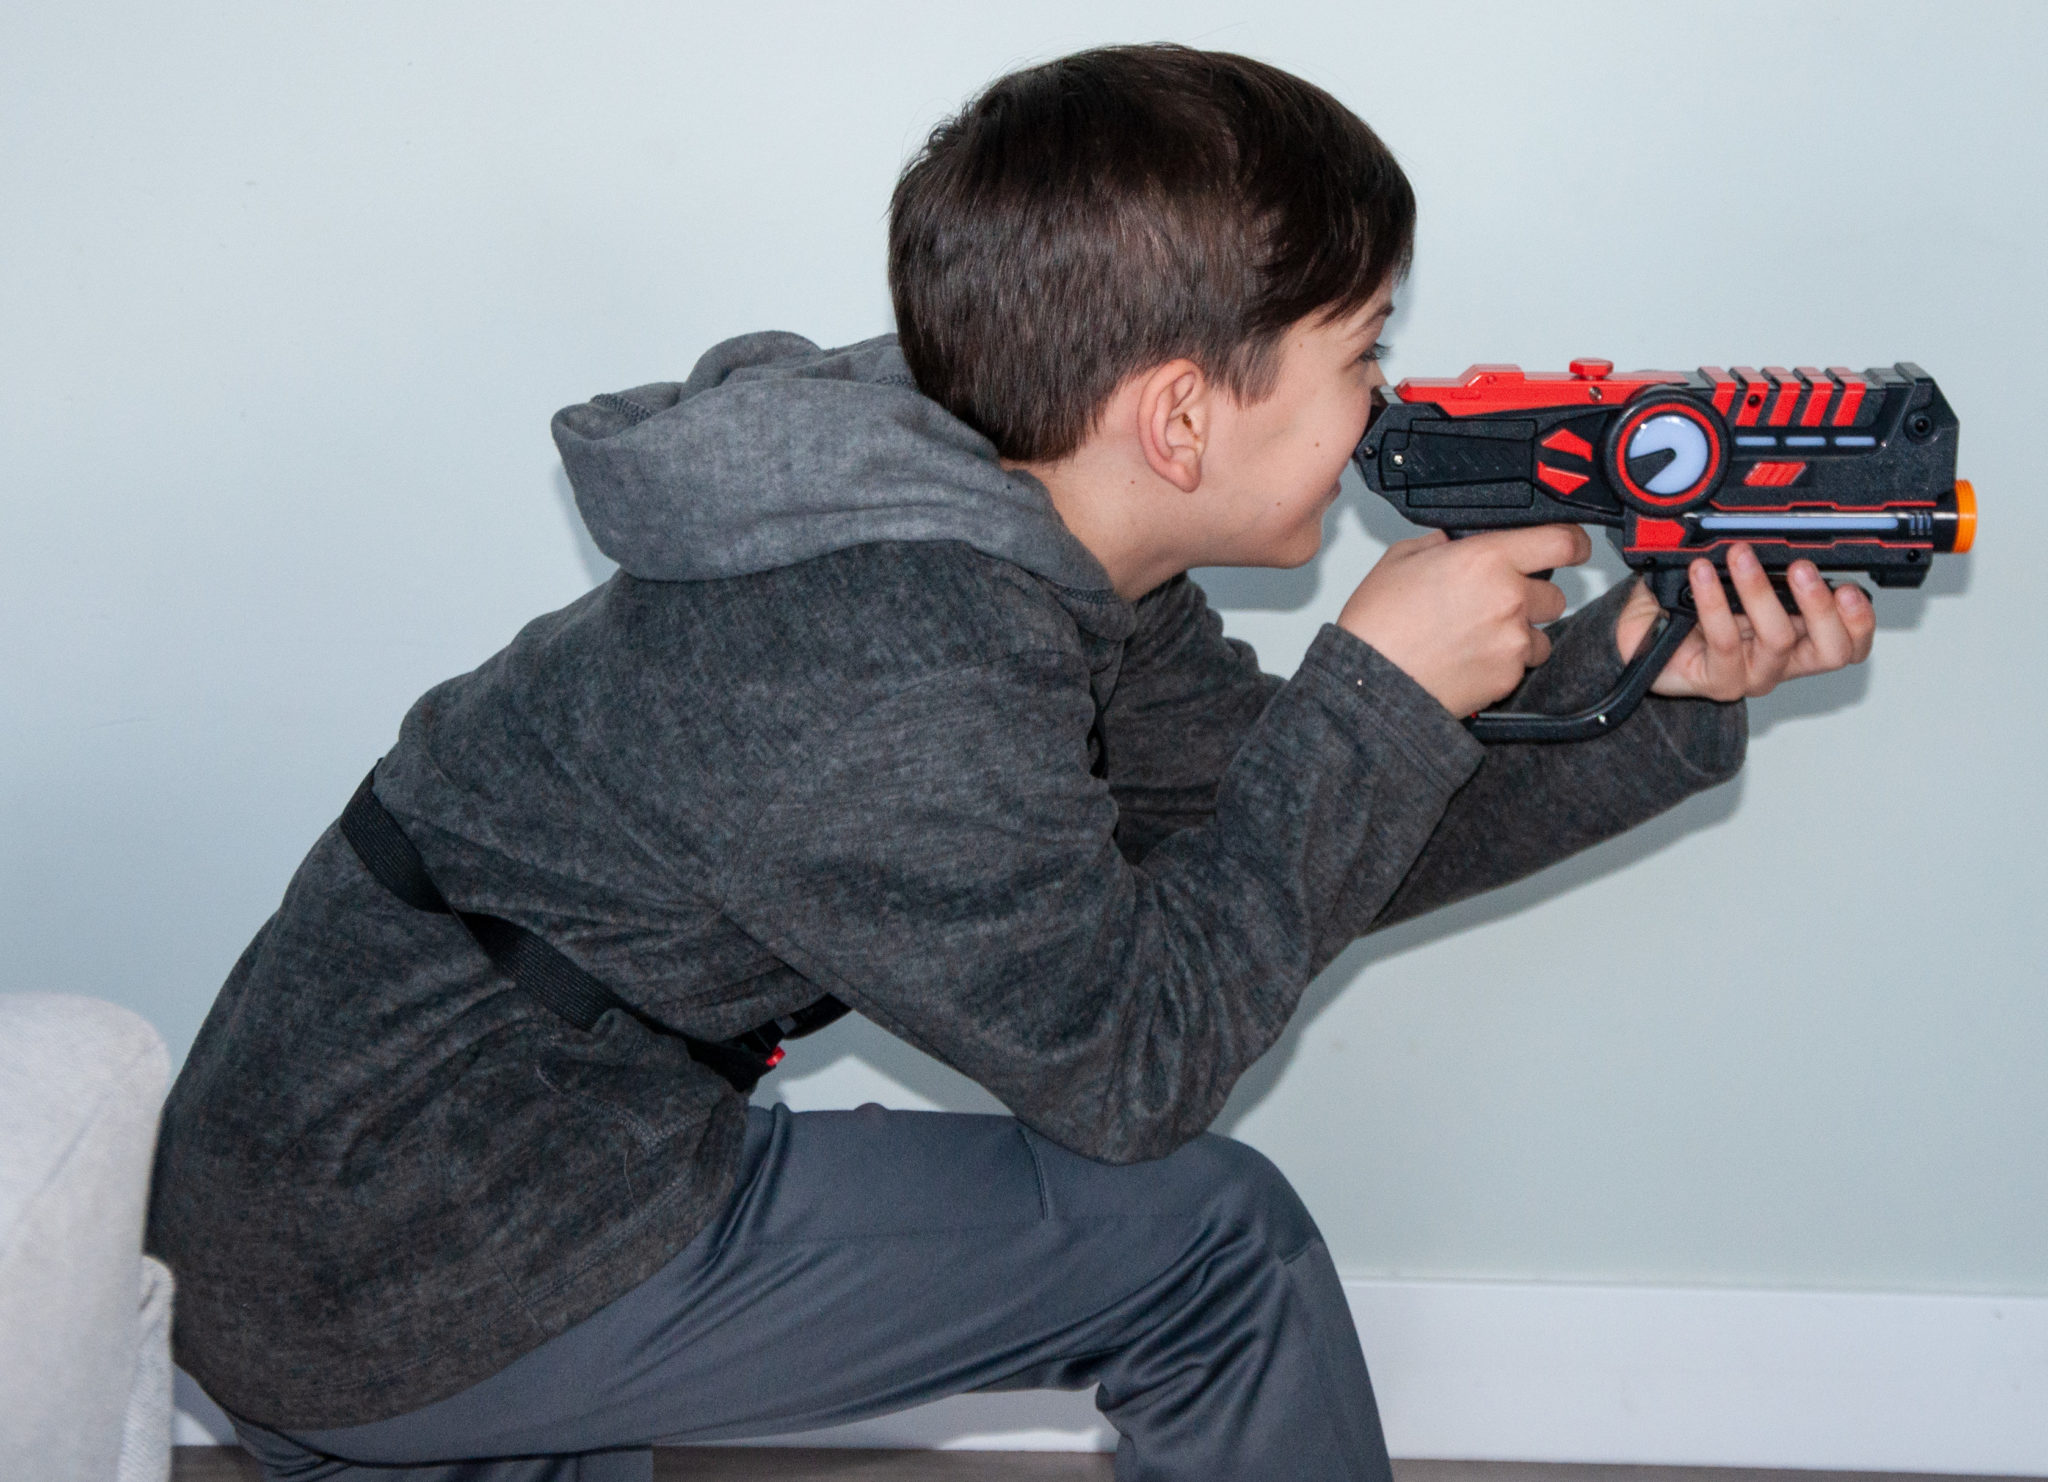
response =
{"points": [[671, 709], [899, 608]]}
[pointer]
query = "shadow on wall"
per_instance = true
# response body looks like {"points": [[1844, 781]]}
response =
{"points": [[1261, 588]]}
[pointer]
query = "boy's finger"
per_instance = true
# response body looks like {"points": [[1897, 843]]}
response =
{"points": [[1637, 618], [1415, 543], [1725, 671], [1826, 634], [1859, 617], [1541, 547], [1760, 603], [1545, 602]]}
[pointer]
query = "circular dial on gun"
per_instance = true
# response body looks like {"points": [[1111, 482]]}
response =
{"points": [[1666, 454]]}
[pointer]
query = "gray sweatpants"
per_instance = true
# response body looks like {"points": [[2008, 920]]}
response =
{"points": [[872, 1260]]}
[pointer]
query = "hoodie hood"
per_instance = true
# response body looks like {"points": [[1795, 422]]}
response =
{"points": [[775, 451]]}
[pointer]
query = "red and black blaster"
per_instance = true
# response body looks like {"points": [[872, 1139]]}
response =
{"points": [[1853, 472]]}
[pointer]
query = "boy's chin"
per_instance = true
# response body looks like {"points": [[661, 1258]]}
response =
{"points": [[1300, 550], [1284, 553], [1289, 561]]}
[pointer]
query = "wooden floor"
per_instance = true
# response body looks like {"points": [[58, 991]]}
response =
{"points": [[790, 1464], [747, 1464], [764, 1464]]}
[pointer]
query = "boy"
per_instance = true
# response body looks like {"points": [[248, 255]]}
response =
{"points": [[902, 698]]}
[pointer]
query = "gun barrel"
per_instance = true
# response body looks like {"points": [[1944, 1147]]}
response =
{"points": [[1950, 526]]}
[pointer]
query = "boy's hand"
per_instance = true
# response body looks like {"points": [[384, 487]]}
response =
{"points": [[1734, 656], [1458, 617]]}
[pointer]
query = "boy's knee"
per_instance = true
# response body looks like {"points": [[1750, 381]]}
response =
{"points": [[1249, 1198], [1228, 1194]]}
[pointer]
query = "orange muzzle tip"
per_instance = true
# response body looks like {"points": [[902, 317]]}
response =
{"points": [[1966, 516]]}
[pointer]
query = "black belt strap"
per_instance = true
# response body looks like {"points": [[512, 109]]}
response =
{"points": [[381, 844]]}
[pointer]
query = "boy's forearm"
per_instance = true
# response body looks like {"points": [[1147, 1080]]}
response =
{"points": [[1532, 805], [1189, 697]]}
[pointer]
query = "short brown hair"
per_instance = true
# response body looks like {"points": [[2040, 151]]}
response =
{"points": [[1084, 220]]}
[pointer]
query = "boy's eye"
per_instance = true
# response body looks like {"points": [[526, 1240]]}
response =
{"points": [[1379, 348]]}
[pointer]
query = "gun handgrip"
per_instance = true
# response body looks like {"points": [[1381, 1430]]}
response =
{"points": [[1604, 714]]}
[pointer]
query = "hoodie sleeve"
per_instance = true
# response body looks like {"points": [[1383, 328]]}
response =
{"points": [[948, 866], [1530, 805]]}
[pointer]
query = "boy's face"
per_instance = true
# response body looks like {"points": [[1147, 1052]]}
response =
{"points": [[1271, 466]]}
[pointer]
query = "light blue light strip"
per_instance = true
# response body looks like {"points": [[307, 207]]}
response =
{"points": [[1799, 524], [1756, 442], [1856, 442], [1806, 442]]}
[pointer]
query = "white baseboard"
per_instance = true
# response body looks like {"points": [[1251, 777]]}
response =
{"points": [[1512, 1371], [1853, 1381]]}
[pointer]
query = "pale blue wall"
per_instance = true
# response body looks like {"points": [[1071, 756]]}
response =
{"points": [[287, 294]]}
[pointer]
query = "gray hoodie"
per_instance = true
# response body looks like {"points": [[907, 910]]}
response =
{"points": [[857, 716]]}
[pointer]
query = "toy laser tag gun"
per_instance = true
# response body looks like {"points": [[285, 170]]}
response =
{"points": [[1855, 473]]}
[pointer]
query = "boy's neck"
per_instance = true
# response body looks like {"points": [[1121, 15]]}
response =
{"points": [[1112, 510]]}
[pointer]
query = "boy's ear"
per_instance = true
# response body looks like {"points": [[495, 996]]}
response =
{"points": [[1173, 422]]}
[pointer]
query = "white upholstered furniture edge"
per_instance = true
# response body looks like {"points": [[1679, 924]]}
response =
{"points": [[85, 1366]]}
